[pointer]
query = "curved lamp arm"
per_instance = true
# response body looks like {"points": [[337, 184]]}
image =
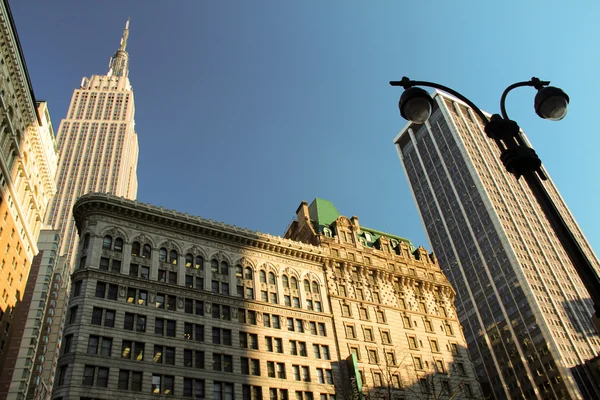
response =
{"points": [[535, 82], [407, 83]]}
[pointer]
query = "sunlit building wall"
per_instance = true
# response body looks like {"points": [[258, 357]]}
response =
{"points": [[27, 171], [525, 312], [97, 144]]}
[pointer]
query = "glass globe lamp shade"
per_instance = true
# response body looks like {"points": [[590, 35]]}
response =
{"points": [[415, 105], [551, 103]]}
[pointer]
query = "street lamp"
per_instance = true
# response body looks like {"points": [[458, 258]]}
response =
{"points": [[416, 105]]}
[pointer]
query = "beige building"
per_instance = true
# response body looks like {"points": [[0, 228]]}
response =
{"points": [[30, 342], [525, 311], [163, 303], [27, 170], [97, 143], [393, 309]]}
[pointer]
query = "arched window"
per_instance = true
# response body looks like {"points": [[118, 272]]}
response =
{"points": [[315, 287], [118, 245], [147, 251], [262, 276], [189, 260], [239, 271], [271, 278], [214, 266], [224, 268], [248, 273], [285, 281], [107, 242], [173, 257], [199, 263], [306, 286], [162, 254], [294, 283], [135, 249], [86, 241]]}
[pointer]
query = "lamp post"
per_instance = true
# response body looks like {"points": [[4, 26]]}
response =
{"points": [[518, 158]]}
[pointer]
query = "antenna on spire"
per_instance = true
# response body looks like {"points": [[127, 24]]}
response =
{"points": [[119, 63], [125, 35]]}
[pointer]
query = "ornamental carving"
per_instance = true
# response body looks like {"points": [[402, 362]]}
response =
{"points": [[143, 239], [208, 307], [246, 262], [220, 256], [115, 232], [170, 244]]}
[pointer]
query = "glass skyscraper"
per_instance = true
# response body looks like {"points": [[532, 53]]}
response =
{"points": [[525, 312]]}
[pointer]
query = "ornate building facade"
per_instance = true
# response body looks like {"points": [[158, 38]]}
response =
{"points": [[163, 303], [27, 170], [393, 309], [525, 311]]}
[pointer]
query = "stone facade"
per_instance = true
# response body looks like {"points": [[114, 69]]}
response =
{"points": [[27, 168], [393, 309], [163, 303]]}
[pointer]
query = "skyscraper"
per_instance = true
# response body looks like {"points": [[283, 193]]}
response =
{"points": [[525, 312], [97, 144]]}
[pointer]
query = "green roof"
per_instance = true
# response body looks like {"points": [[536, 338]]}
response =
{"points": [[323, 213]]}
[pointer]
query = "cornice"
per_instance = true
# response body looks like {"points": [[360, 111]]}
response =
{"points": [[107, 204], [17, 65]]}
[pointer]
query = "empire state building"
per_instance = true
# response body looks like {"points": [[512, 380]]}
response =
{"points": [[97, 143]]}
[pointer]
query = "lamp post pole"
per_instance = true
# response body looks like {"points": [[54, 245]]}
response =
{"points": [[518, 158]]}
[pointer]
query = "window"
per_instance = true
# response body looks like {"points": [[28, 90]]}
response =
{"points": [[106, 346], [271, 278], [193, 388], [322, 329], [162, 384], [372, 354], [107, 242], [123, 383], [93, 345], [135, 249], [171, 328], [279, 345], [281, 371], [262, 276], [362, 312], [380, 315], [221, 336], [147, 251], [385, 337], [97, 316], [406, 321], [412, 342], [350, 332], [390, 358], [285, 281], [305, 374], [68, 344], [222, 362], [418, 362], [296, 372], [88, 375], [434, 346], [222, 391]]}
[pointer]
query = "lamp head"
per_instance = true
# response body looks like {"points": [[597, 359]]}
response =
{"points": [[551, 103], [415, 105]]}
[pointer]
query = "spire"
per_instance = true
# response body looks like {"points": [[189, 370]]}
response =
{"points": [[119, 62]]}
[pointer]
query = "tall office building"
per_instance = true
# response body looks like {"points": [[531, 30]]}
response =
{"points": [[525, 312], [97, 144], [164, 304], [27, 170]]}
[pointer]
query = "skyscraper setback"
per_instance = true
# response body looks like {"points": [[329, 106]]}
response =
{"points": [[525, 312], [97, 143]]}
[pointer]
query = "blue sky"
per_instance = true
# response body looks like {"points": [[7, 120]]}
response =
{"points": [[246, 108]]}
